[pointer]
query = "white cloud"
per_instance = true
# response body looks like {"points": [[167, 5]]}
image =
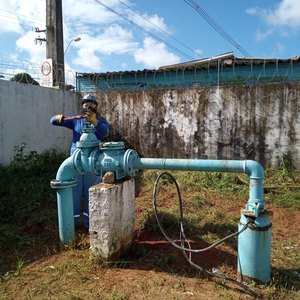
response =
{"points": [[37, 52], [154, 54], [18, 16], [281, 21], [123, 65], [199, 52], [263, 35], [70, 75], [88, 59], [149, 22], [286, 14], [114, 40], [102, 33], [9, 23], [279, 49], [87, 12]]}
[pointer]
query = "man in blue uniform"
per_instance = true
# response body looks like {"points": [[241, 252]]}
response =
{"points": [[85, 181]]}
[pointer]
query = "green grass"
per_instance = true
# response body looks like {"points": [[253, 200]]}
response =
{"points": [[210, 204], [211, 208], [27, 203]]}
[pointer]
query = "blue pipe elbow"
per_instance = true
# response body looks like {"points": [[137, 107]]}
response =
{"points": [[64, 184], [256, 201], [66, 170], [254, 170]]}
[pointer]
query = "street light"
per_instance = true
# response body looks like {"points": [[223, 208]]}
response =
{"points": [[73, 40]]}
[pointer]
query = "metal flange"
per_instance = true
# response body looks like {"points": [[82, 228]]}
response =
{"points": [[62, 184], [129, 157]]}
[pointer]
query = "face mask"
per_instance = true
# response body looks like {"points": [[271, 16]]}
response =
{"points": [[86, 107]]}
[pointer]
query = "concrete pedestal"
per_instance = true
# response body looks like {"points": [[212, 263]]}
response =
{"points": [[112, 218]]}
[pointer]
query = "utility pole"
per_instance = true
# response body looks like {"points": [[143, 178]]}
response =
{"points": [[55, 40]]}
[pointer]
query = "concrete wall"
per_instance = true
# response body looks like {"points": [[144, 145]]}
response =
{"points": [[259, 122], [25, 112]]}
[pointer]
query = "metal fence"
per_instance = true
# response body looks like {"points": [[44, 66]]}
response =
{"points": [[219, 74], [190, 75], [19, 69]]}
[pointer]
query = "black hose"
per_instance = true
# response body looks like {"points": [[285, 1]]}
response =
{"points": [[184, 240]]}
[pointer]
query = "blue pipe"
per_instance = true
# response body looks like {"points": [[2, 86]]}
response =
{"points": [[64, 184], [253, 169], [80, 162], [254, 243], [66, 170], [254, 249]]}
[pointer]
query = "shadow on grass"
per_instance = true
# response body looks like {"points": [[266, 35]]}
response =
{"points": [[28, 208], [25, 245], [152, 247], [150, 251], [288, 279]]}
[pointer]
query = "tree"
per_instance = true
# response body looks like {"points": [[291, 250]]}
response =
{"points": [[70, 87], [24, 78]]}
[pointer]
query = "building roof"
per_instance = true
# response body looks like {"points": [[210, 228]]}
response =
{"points": [[226, 59]]}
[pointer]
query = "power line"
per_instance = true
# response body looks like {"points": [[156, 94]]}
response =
{"points": [[146, 31], [185, 46], [19, 20], [216, 26], [24, 22], [23, 16]]}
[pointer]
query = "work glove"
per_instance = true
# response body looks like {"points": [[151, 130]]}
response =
{"points": [[59, 118], [91, 117]]}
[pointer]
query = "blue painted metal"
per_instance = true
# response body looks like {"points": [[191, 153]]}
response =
{"points": [[80, 162], [63, 184], [111, 157], [88, 138], [195, 76], [253, 169], [254, 249]]}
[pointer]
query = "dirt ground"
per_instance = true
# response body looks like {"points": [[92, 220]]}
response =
{"points": [[152, 269]]}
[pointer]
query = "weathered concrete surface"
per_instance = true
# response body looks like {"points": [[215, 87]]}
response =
{"points": [[25, 112], [112, 218], [259, 122]]}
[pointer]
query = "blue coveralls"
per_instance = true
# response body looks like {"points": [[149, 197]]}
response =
{"points": [[85, 181]]}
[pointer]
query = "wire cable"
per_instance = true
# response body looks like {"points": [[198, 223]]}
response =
{"points": [[146, 31], [20, 17], [181, 219], [216, 26], [164, 31], [184, 240]]}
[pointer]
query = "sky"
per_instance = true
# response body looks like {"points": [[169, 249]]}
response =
{"points": [[125, 35]]}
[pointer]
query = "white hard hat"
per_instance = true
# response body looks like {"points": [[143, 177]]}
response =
{"points": [[89, 98]]}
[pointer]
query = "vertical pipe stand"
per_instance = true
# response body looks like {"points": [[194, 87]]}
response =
{"points": [[64, 190], [254, 248]]}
